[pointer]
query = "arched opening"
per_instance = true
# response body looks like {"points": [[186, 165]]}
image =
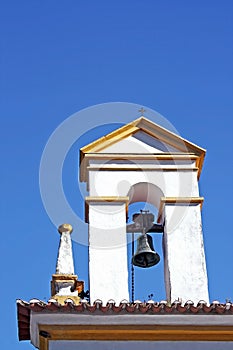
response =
{"points": [[145, 192], [145, 283]]}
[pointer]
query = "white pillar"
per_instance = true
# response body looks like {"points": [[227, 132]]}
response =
{"points": [[185, 266], [108, 267]]}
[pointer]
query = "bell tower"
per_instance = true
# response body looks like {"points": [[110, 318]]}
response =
{"points": [[142, 161]]}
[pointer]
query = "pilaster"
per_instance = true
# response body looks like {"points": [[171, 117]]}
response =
{"points": [[184, 255], [108, 267]]}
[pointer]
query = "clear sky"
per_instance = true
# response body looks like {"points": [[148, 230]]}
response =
{"points": [[58, 57]]}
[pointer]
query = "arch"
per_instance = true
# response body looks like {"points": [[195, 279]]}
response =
{"points": [[154, 278], [145, 192]]}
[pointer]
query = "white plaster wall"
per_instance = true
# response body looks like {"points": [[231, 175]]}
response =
{"points": [[186, 267], [130, 145], [185, 271], [118, 183], [108, 269], [175, 163]]}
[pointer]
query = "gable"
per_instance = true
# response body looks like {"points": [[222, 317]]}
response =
{"points": [[148, 127], [141, 136]]}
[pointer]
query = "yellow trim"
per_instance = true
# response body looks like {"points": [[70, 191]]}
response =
{"points": [[199, 164], [141, 156], [148, 127], [182, 200], [151, 129], [188, 145], [108, 140], [135, 168], [168, 136], [72, 279], [178, 200], [104, 199], [59, 276], [138, 332]]}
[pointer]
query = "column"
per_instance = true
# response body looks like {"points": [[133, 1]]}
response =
{"points": [[108, 266], [184, 255]]}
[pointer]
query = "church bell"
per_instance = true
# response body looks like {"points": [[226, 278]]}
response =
{"points": [[145, 255]]}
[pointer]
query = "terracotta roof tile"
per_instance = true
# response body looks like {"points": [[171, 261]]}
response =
{"points": [[24, 309]]}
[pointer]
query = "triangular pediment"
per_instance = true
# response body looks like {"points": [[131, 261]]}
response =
{"points": [[138, 143], [142, 136]]}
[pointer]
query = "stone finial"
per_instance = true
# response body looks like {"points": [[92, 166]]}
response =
{"points": [[64, 282], [65, 228], [65, 264]]}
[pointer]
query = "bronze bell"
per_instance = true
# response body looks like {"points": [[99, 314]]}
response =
{"points": [[145, 255]]}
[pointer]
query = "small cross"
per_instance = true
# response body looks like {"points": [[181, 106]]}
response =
{"points": [[142, 111]]}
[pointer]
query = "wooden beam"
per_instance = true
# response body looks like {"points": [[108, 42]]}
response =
{"points": [[43, 343], [139, 332]]}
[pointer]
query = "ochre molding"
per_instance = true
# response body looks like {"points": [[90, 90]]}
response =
{"points": [[168, 136], [173, 200], [109, 139], [138, 332], [178, 200], [142, 156], [139, 167], [149, 128], [64, 276], [199, 164], [104, 200], [72, 280]]}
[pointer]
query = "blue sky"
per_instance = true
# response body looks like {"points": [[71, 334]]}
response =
{"points": [[58, 57]]}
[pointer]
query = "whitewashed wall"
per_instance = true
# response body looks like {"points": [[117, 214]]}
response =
{"points": [[108, 269], [185, 269]]}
